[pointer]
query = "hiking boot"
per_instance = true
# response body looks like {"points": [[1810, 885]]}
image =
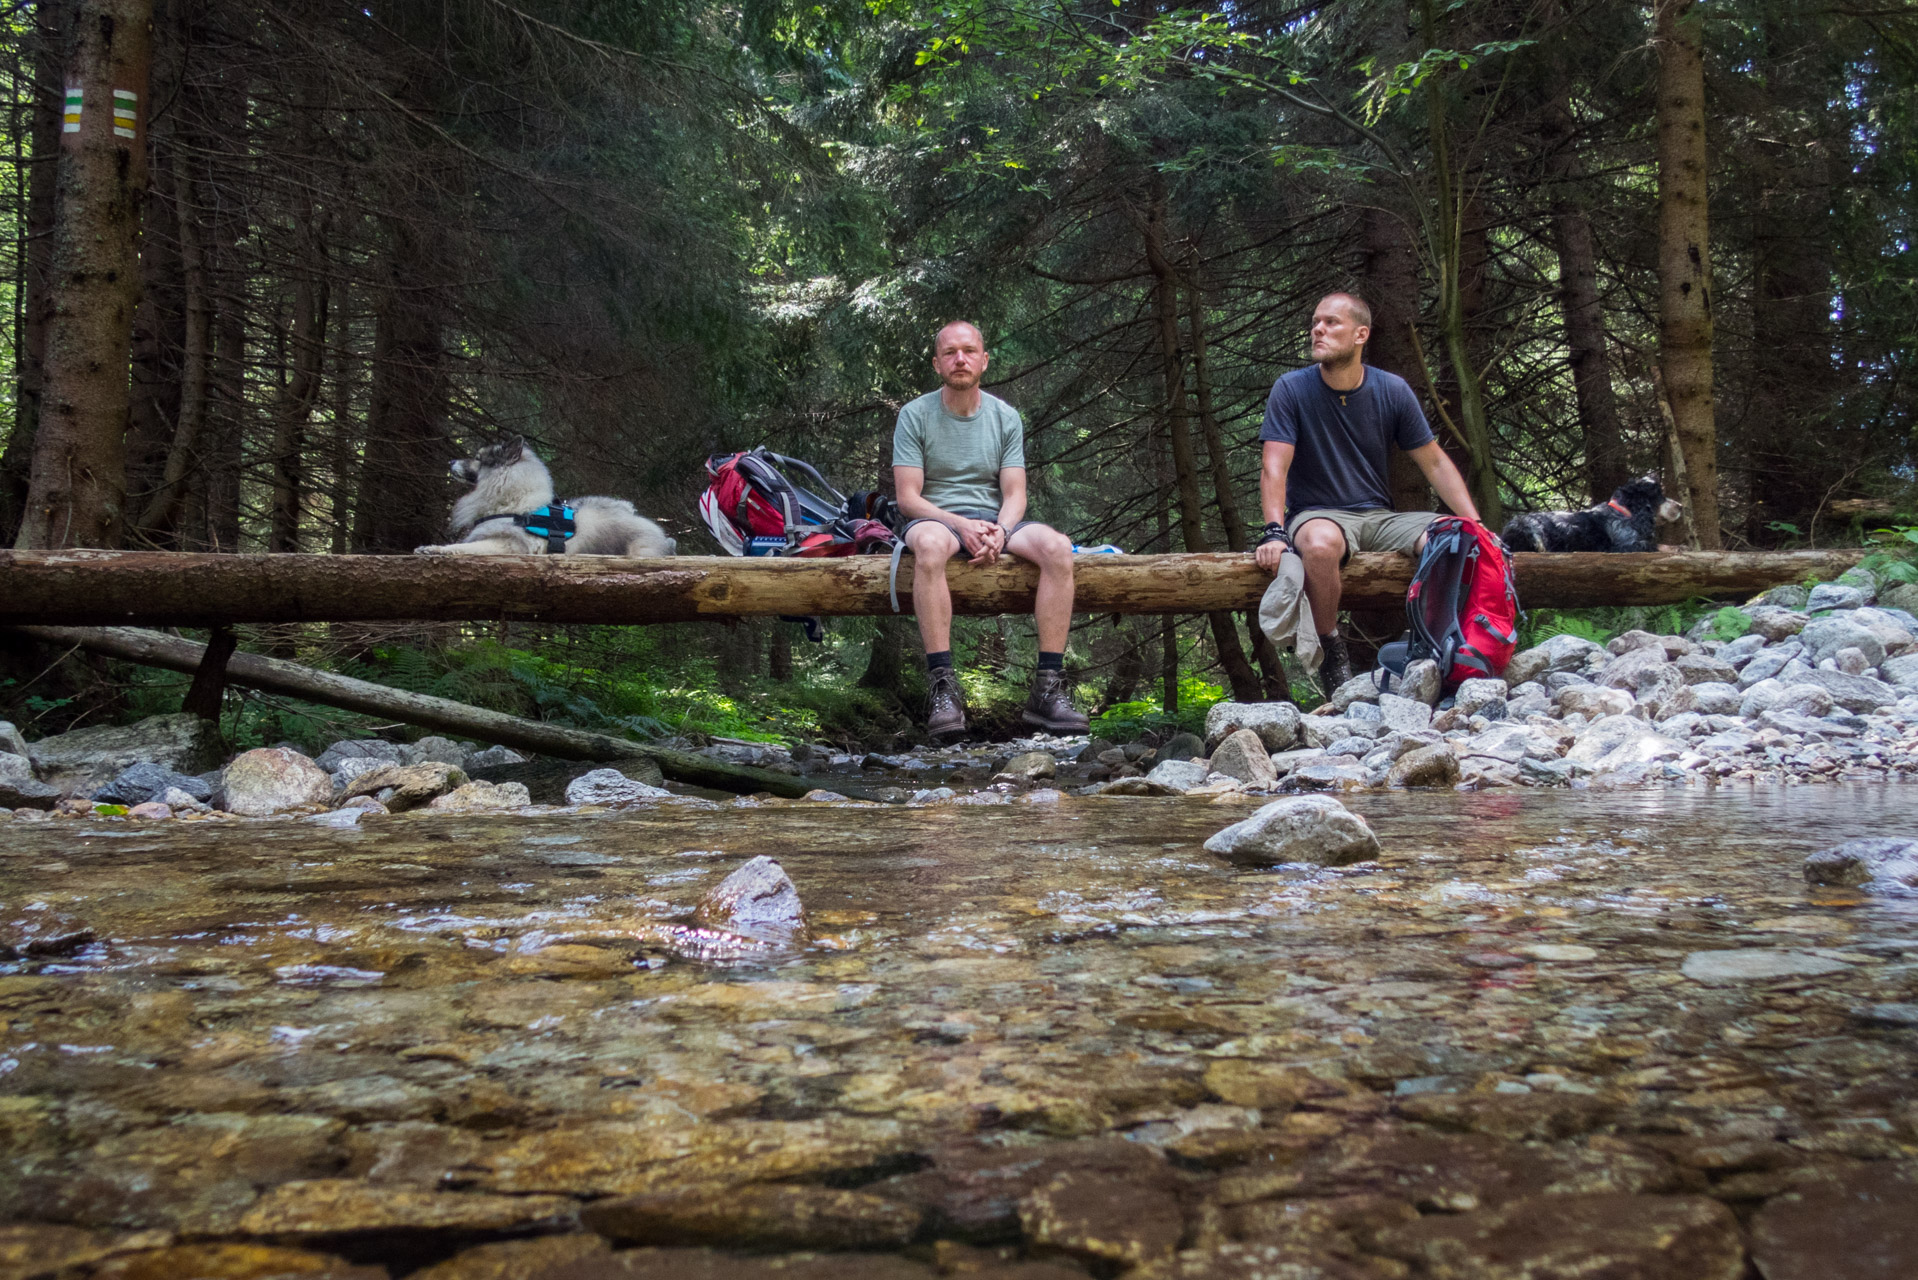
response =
{"points": [[1335, 665], [1049, 707], [945, 705]]}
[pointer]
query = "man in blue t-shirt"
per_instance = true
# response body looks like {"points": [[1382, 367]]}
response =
{"points": [[1325, 483]]}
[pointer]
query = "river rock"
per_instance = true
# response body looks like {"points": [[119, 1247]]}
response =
{"points": [[1801, 699], [610, 786], [1404, 715], [1767, 665], [1327, 775], [530, 1259], [1899, 595], [1185, 746], [1628, 641], [1421, 682], [1481, 698], [1824, 637], [86, 759], [139, 783], [1030, 766], [1716, 699], [1299, 1260], [331, 1207], [1616, 741], [11, 739], [182, 801], [350, 767], [1102, 1220], [15, 768], [411, 785], [1742, 650], [1316, 829], [273, 780], [1776, 623], [1563, 652], [1901, 672], [1835, 595], [1662, 693], [1752, 964], [1860, 1223], [1626, 670], [436, 749], [1360, 688], [755, 1217], [360, 749], [1594, 701], [1876, 863], [1565, 1236], [1243, 755], [1433, 766], [758, 895], [1851, 661], [1510, 743], [1180, 775], [1853, 693], [482, 797], [27, 793], [1706, 668], [1791, 595], [1276, 723], [488, 757]]}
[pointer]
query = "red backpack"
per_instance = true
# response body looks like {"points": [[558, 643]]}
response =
{"points": [[755, 507], [1462, 605]]}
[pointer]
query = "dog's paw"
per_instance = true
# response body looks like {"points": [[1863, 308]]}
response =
{"points": [[429, 551]]}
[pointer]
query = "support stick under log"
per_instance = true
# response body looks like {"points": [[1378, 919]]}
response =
{"points": [[274, 675], [158, 588]]}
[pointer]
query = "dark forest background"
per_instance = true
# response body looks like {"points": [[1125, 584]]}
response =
{"points": [[373, 236]]}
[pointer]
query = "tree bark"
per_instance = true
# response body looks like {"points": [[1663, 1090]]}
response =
{"points": [[178, 589], [402, 497], [295, 405], [50, 34], [274, 675], [1684, 255], [158, 516], [1605, 463], [76, 496]]}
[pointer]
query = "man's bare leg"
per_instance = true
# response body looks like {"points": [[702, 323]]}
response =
{"points": [[932, 545], [1049, 705], [1321, 545]]}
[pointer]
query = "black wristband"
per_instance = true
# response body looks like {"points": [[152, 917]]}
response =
{"points": [[1274, 532]]}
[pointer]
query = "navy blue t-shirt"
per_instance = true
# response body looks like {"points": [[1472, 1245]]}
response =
{"points": [[1343, 438]]}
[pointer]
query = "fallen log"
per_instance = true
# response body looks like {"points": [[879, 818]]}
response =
{"points": [[160, 588], [274, 675]]}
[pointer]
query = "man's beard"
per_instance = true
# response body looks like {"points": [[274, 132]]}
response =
{"points": [[962, 381], [1338, 357]]}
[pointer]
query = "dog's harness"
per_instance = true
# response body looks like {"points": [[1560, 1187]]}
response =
{"points": [[555, 524], [1623, 511]]}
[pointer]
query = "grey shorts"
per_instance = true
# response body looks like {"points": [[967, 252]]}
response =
{"points": [[968, 514], [1374, 529]]}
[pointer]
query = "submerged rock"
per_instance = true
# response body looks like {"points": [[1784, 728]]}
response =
{"points": [[1871, 863], [1102, 1219], [273, 780], [345, 1206], [516, 1259], [1643, 1237], [610, 786], [1315, 829], [755, 1217], [759, 895], [1757, 964], [1860, 1223]]}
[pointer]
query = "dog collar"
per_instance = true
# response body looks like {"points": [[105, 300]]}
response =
{"points": [[1613, 504]]}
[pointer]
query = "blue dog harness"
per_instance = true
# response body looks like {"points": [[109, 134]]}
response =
{"points": [[555, 524]]}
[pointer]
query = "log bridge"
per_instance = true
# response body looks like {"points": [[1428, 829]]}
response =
{"points": [[156, 588]]}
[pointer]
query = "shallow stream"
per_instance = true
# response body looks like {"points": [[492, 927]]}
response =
{"points": [[397, 1041]]}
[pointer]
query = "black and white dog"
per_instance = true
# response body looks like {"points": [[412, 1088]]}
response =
{"points": [[1628, 522]]}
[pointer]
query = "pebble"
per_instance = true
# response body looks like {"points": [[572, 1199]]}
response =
{"points": [[1757, 964]]}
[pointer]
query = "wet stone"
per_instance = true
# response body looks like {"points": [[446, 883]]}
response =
{"points": [[1316, 829], [610, 786], [709, 1264], [1641, 1237], [232, 1261], [1101, 1219], [1533, 1117], [482, 797], [516, 1259], [1757, 964], [140, 783], [1859, 1223], [758, 895], [329, 1207], [974, 1192], [1180, 746], [1876, 863], [1030, 766], [1255, 1262], [87, 758], [410, 785], [755, 1217], [1243, 755], [1433, 766]]}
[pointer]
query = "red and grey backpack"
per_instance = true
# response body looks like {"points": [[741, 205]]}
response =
{"points": [[1462, 605], [757, 505]]}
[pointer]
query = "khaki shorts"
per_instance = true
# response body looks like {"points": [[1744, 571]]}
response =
{"points": [[1375, 529]]}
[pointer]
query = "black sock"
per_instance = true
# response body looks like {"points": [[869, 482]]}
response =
{"points": [[934, 661], [1052, 661], [1328, 639]]}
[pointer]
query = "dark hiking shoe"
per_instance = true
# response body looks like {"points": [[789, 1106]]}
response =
{"points": [[1049, 707], [945, 706], [1335, 666]]}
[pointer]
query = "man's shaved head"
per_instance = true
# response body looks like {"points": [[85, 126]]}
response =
{"points": [[1354, 307], [940, 336]]}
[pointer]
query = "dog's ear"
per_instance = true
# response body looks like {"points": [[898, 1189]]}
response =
{"points": [[516, 447]]}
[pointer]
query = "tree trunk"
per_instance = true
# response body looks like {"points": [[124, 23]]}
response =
{"points": [[175, 589], [1606, 466], [403, 489], [886, 663], [779, 653], [273, 675], [1390, 271], [1684, 255], [77, 493], [296, 401], [50, 35], [158, 516]]}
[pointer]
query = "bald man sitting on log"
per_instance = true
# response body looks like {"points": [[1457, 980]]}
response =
{"points": [[1326, 479], [959, 473]]}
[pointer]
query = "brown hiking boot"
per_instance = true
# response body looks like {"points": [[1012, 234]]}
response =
{"points": [[1335, 666], [945, 705], [1049, 707]]}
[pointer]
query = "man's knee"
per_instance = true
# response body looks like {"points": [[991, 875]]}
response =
{"points": [[1044, 546], [931, 544], [1320, 540]]}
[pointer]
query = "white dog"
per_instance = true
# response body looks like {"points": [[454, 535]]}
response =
{"points": [[510, 512]]}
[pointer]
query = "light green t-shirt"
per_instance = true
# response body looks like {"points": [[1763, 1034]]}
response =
{"points": [[962, 457]]}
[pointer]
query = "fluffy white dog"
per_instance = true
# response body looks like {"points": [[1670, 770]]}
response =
{"points": [[507, 513]]}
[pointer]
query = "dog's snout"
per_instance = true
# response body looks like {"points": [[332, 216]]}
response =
{"points": [[1670, 510], [463, 469]]}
